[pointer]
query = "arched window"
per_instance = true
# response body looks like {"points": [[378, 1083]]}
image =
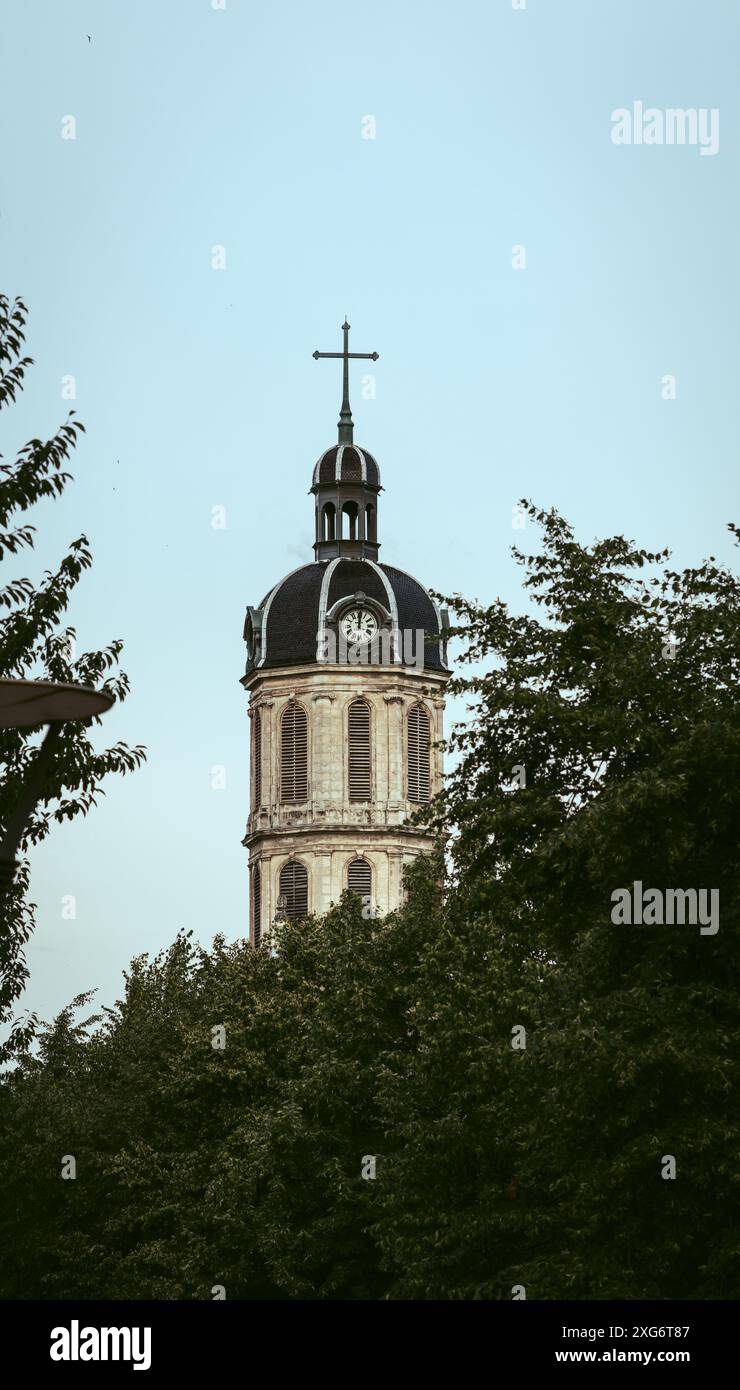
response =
{"points": [[294, 754], [418, 754], [359, 751], [360, 878], [349, 510], [294, 888], [257, 758], [256, 904], [370, 522], [330, 520]]}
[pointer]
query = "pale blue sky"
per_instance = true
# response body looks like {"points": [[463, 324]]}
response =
{"points": [[243, 127]]}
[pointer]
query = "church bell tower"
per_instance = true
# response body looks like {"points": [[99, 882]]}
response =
{"points": [[346, 669]]}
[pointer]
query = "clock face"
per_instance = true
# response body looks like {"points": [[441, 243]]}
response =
{"points": [[359, 625]]}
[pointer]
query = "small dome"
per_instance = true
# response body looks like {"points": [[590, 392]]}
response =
{"points": [[290, 616], [346, 463]]}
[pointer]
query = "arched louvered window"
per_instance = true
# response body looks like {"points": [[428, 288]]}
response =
{"points": [[418, 753], [359, 751], [256, 904], [294, 888], [360, 878], [257, 756], [294, 754]]}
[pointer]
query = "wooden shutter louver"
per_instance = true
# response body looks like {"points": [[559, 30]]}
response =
{"points": [[294, 754], [257, 746], [359, 751], [418, 754], [257, 905], [294, 885], [360, 878]]}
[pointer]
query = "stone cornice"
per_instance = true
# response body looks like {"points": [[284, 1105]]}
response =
{"points": [[320, 835], [308, 678]]}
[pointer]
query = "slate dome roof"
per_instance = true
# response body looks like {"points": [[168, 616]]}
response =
{"points": [[346, 463], [284, 627]]}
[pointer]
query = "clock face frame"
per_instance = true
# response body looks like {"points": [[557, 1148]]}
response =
{"points": [[358, 625]]}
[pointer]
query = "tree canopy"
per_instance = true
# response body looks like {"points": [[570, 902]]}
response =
{"points": [[497, 1091], [36, 643]]}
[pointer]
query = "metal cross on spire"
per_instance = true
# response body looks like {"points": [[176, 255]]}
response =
{"points": [[346, 427]]}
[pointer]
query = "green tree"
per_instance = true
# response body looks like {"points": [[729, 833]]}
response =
{"points": [[35, 644], [604, 749], [247, 1163]]}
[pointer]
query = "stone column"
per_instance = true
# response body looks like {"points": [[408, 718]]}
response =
{"points": [[321, 876], [438, 756], [380, 758], [395, 860], [396, 790], [322, 720]]}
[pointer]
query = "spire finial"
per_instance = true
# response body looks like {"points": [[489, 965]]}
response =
{"points": [[345, 424]]}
